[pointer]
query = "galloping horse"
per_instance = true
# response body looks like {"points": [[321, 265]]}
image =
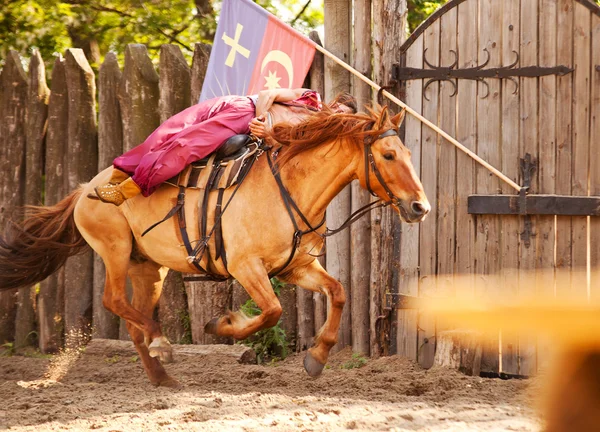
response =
{"points": [[317, 159]]}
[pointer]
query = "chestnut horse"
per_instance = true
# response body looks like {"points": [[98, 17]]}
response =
{"points": [[319, 157]]}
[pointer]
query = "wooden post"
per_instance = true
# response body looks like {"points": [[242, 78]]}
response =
{"points": [[13, 106], [138, 98], [110, 145], [81, 163], [37, 112], [289, 316], [174, 90], [360, 235], [206, 300], [51, 297], [337, 79], [199, 65], [594, 162], [390, 23]]}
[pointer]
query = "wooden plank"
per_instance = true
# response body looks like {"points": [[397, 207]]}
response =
{"points": [[447, 163], [487, 240], [174, 91], [37, 114], [206, 300], [388, 30], [110, 145], [528, 143], [428, 230], [564, 141], [581, 140], [564, 205], [509, 271], [360, 235], [466, 132], [595, 161], [51, 297], [316, 78], [289, 316], [199, 65], [138, 98], [13, 106], [81, 164], [337, 79], [409, 242]]}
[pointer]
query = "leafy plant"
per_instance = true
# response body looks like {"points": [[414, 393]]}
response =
{"points": [[186, 322], [357, 361], [271, 343], [9, 349]]}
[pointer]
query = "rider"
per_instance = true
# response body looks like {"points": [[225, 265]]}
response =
{"points": [[200, 130]]}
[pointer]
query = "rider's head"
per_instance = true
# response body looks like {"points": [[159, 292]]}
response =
{"points": [[344, 103]]}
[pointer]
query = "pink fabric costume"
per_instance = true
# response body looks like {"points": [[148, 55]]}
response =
{"points": [[191, 135]]}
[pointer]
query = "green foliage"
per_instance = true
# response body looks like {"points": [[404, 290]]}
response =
{"points": [[186, 322], [357, 361], [112, 360], [419, 10], [8, 349], [269, 344]]}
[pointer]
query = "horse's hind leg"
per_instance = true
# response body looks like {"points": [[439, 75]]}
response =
{"points": [[313, 277], [147, 280]]}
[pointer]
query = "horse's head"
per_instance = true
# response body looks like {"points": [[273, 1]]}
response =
{"points": [[387, 171]]}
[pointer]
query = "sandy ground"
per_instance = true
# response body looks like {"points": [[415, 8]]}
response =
{"points": [[217, 394]]}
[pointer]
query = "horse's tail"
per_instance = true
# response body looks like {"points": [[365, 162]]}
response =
{"points": [[32, 250]]}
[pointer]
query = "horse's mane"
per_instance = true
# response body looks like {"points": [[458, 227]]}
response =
{"points": [[322, 127]]}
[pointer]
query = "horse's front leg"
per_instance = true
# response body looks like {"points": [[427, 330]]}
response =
{"points": [[313, 277], [254, 278]]}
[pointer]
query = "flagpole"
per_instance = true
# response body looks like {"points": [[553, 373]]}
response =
{"points": [[420, 117]]}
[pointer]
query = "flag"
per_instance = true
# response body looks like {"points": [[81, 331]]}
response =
{"points": [[254, 51]]}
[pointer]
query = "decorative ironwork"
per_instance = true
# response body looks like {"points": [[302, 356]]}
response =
{"points": [[451, 74]]}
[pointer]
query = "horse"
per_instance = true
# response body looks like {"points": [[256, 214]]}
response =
{"points": [[315, 160]]}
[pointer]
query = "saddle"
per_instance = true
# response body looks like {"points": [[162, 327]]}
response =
{"points": [[221, 169], [227, 167]]}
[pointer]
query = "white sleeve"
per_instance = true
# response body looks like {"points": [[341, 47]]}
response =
{"points": [[254, 99]]}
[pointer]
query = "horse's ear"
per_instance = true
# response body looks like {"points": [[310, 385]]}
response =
{"points": [[399, 118], [384, 117]]}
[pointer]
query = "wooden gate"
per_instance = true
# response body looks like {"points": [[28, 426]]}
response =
{"points": [[517, 82]]}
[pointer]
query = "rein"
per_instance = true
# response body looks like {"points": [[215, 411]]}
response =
{"points": [[291, 204]]}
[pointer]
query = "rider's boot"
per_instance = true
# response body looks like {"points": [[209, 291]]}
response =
{"points": [[117, 193]]}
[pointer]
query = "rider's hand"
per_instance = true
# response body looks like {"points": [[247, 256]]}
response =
{"points": [[257, 127]]}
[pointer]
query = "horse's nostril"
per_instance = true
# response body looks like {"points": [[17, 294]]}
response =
{"points": [[418, 208]]}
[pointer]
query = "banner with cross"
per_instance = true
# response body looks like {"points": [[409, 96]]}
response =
{"points": [[254, 51]]}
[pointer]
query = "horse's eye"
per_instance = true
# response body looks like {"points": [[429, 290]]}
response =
{"points": [[388, 156]]}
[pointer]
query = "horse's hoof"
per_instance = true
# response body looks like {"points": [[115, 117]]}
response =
{"points": [[161, 348], [312, 366], [170, 383], [211, 326]]}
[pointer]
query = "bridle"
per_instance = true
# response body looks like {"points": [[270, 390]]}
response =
{"points": [[292, 207]]}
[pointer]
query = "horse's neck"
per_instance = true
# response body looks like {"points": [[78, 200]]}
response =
{"points": [[315, 177]]}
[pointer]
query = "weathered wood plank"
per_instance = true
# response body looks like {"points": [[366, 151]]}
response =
{"points": [[206, 300], [337, 79], [581, 140], [81, 164], [317, 83], [360, 236], [528, 144], [51, 296], [409, 241], [289, 316], [110, 145], [174, 82], [564, 205], [429, 173], [509, 271], [175, 94], [564, 141], [37, 115], [446, 233], [460, 350], [110, 348], [487, 241], [199, 65], [13, 106], [595, 161]]}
